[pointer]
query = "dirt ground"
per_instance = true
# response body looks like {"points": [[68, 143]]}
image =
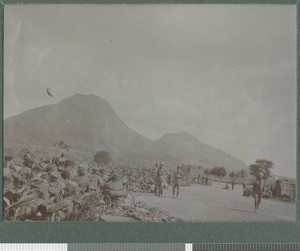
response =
{"points": [[212, 203]]}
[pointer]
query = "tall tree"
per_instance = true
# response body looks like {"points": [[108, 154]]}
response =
{"points": [[261, 167], [102, 157], [221, 171], [232, 174]]}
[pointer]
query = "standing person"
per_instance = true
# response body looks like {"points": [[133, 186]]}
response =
{"points": [[256, 192], [178, 175], [265, 190], [232, 183], [244, 187], [155, 175], [210, 180], [159, 179], [199, 179], [206, 180], [277, 188]]}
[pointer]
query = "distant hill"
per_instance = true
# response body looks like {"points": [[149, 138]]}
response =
{"points": [[88, 122], [185, 148]]}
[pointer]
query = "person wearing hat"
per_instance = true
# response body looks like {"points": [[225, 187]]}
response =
{"points": [[178, 176], [256, 191], [155, 175], [159, 179], [244, 186], [232, 183]]}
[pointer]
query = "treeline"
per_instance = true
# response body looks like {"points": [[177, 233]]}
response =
{"points": [[261, 168], [217, 171], [222, 172]]}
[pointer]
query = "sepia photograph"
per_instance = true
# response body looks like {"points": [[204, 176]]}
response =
{"points": [[150, 113]]}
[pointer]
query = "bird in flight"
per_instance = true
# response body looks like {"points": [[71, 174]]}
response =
{"points": [[49, 93]]}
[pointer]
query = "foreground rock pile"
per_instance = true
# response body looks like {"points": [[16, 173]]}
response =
{"points": [[94, 208], [59, 189], [140, 180]]}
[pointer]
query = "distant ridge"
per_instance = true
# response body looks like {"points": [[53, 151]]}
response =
{"points": [[90, 123]]}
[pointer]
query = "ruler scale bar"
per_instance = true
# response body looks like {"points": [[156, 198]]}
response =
{"points": [[128, 247], [151, 247], [246, 247], [33, 247]]}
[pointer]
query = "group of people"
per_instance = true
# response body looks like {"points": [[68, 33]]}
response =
{"points": [[51, 188], [164, 179], [232, 182], [205, 180], [259, 189]]}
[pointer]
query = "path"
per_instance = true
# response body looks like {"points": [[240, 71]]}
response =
{"points": [[212, 203]]}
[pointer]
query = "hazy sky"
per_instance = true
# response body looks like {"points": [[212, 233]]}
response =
{"points": [[224, 73]]}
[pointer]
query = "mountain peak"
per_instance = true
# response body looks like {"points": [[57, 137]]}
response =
{"points": [[83, 121], [89, 122], [89, 101], [79, 96]]}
